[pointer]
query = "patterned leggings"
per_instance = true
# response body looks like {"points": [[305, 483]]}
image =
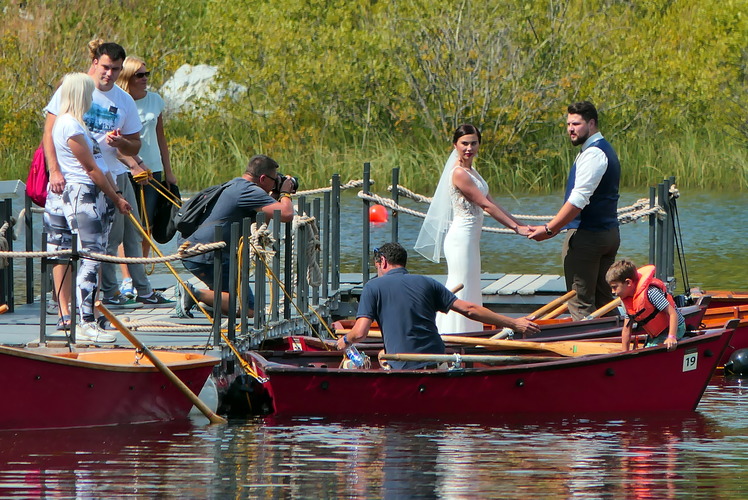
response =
{"points": [[89, 215]]}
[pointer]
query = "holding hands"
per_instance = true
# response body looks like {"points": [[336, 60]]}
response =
{"points": [[539, 233]]}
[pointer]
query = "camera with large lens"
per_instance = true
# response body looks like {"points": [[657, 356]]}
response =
{"points": [[282, 178]]}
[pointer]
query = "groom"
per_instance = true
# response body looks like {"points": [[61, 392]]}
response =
{"points": [[589, 212]]}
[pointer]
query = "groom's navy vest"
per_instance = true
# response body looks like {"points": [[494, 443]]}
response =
{"points": [[602, 212]]}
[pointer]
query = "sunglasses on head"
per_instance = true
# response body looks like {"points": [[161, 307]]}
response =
{"points": [[377, 254], [142, 74]]}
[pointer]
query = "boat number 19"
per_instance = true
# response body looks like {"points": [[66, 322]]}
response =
{"points": [[689, 360]]}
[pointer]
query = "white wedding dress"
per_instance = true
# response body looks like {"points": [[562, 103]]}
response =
{"points": [[462, 251]]}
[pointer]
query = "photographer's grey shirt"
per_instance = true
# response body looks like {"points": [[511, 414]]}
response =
{"points": [[239, 200]]}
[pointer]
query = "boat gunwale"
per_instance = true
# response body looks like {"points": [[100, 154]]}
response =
{"points": [[60, 359], [270, 367]]}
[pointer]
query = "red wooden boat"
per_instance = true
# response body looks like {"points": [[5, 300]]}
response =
{"points": [[716, 316], [722, 298], [562, 329], [307, 383], [101, 387]]}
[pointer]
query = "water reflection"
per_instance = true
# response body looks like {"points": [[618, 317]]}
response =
{"points": [[598, 456]]}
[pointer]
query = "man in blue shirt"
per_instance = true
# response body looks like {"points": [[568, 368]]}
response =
{"points": [[405, 306]]}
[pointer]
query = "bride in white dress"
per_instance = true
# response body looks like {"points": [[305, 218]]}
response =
{"points": [[455, 221]]}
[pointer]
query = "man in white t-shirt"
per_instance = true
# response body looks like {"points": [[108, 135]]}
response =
{"points": [[114, 122]]}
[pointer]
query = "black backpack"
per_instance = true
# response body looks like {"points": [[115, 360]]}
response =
{"points": [[195, 210]]}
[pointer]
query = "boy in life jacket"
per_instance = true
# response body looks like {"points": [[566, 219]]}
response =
{"points": [[647, 303]]}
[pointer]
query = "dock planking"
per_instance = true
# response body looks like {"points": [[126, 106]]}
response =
{"points": [[506, 293]]}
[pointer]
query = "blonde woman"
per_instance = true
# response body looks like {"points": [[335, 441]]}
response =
{"points": [[84, 197], [154, 151]]}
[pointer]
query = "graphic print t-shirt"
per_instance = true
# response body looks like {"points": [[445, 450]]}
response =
{"points": [[110, 110]]}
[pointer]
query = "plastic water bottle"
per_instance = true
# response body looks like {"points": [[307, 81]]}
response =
{"points": [[356, 357]]}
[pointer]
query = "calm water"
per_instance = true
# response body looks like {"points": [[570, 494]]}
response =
{"points": [[711, 226], [700, 454]]}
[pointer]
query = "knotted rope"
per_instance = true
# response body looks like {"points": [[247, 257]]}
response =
{"points": [[312, 250]]}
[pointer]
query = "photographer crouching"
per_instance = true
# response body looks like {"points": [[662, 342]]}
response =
{"points": [[261, 188]]}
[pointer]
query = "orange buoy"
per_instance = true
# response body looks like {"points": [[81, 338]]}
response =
{"points": [[378, 214]]}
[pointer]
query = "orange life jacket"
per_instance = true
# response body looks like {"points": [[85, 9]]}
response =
{"points": [[641, 310]]}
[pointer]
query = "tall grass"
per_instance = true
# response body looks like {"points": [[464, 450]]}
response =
{"points": [[698, 159]]}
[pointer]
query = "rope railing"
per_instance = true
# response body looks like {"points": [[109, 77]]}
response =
{"points": [[348, 185], [631, 213], [182, 253]]}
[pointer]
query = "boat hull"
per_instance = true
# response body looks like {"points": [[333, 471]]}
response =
{"points": [[42, 391], [636, 381]]}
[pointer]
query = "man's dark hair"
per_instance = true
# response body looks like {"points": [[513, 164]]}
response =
{"points": [[261, 165], [465, 129], [585, 109], [393, 252], [111, 49]]}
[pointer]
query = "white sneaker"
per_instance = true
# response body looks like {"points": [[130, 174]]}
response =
{"points": [[91, 332]]}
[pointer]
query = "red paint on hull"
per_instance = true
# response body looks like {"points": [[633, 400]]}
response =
{"points": [[48, 391], [636, 381]]}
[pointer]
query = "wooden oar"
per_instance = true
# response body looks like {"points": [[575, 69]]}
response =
{"points": [[605, 309], [214, 419], [554, 304], [467, 358], [564, 347], [506, 331], [556, 312]]}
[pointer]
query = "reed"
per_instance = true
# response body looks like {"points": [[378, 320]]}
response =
{"points": [[698, 159]]}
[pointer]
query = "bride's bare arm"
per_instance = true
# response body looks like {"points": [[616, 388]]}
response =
{"points": [[462, 180]]}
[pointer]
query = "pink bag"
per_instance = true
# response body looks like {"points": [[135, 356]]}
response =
{"points": [[38, 179]]}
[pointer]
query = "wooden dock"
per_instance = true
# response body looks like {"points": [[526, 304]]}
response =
{"points": [[303, 258], [506, 293]]}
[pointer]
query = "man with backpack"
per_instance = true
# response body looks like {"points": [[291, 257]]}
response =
{"points": [[236, 200]]}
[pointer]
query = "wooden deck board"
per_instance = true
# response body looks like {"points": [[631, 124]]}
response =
{"points": [[505, 293]]}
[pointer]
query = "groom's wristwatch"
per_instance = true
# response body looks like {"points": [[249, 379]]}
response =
{"points": [[548, 231]]}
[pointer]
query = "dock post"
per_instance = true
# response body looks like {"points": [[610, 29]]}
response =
{"points": [[7, 297], [316, 215], [233, 267], [28, 226], [288, 270], [275, 286], [259, 321], [652, 226], [670, 235], [660, 260], [325, 241], [244, 278], [335, 234], [217, 285], [366, 239], [302, 287], [665, 273], [43, 291], [395, 194]]}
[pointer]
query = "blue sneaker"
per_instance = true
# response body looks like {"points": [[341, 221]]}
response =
{"points": [[126, 288]]}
